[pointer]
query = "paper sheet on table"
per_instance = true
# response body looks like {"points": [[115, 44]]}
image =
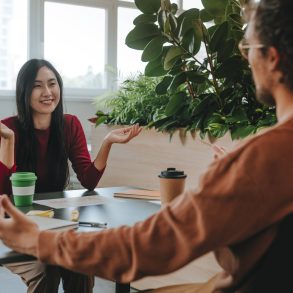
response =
{"points": [[60, 203]]}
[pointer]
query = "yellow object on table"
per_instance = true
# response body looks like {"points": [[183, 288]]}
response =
{"points": [[74, 216], [47, 213]]}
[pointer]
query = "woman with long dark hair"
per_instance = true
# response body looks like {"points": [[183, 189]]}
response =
{"points": [[41, 139]]}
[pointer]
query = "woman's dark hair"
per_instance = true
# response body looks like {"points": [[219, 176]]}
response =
{"points": [[27, 152], [274, 27]]}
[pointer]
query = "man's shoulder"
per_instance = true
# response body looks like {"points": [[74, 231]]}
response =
{"points": [[279, 137], [280, 134]]}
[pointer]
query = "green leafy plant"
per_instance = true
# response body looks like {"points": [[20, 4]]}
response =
{"points": [[196, 54], [135, 102]]}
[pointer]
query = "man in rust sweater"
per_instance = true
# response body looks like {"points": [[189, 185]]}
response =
{"points": [[241, 209]]}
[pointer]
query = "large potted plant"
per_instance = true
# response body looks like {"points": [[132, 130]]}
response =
{"points": [[201, 82], [196, 52]]}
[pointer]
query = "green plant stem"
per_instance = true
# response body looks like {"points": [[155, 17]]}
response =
{"points": [[189, 86], [190, 55]]}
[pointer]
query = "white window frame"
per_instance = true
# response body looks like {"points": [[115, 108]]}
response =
{"points": [[36, 40], [36, 29]]}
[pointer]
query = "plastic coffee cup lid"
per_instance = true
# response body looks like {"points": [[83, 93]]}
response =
{"points": [[172, 173], [23, 176]]}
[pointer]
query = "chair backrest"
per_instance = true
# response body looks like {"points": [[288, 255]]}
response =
{"points": [[274, 272]]}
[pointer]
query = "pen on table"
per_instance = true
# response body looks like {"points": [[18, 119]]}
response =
{"points": [[93, 224]]}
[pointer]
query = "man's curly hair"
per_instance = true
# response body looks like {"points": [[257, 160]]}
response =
{"points": [[274, 27]]}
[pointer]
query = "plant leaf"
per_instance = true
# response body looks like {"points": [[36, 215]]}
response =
{"points": [[192, 13], [141, 35], [217, 129], [101, 120], [242, 132], [155, 68], [148, 6], [196, 76], [163, 86], [177, 80], [172, 55], [153, 49], [236, 19], [230, 68], [227, 50], [215, 7], [205, 16], [219, 37], [175, 104], [145, 18], [186, 23]]}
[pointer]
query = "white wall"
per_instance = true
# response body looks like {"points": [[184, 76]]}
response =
{"points": [[83, 110]]}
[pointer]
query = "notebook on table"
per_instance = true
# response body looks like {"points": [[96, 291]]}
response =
{"points": [[139, 194], [46, 223]]}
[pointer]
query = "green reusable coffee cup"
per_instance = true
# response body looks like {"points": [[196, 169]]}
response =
{"points": [[23, 188]]}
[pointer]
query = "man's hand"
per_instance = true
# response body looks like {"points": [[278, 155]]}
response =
{"points": [[18, 232], [218, 151], [123, 135]]}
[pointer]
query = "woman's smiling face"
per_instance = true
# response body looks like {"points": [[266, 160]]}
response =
{"points": [[46, 92]]}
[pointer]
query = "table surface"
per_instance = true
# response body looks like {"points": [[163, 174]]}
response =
{"points": [[115, 212]]}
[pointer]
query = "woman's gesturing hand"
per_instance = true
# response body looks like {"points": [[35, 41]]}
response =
{"points": [[6, 146], [6, 132], [123, 135]]}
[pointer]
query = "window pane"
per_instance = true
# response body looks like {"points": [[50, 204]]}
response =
{"points": [[75, 43], [128, 60], [187, 4], [13, 40]]}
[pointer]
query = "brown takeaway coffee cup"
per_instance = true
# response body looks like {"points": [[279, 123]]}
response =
{"points": [[172, 183]]}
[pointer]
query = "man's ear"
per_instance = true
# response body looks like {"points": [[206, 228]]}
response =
{"points": [[273, 57]]}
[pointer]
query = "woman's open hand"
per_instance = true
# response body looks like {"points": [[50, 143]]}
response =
{"points": [[123, 135]]}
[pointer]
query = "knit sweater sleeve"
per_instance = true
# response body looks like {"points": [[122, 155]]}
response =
{"points": [[79, 155], [240, 195], [5, 173]]}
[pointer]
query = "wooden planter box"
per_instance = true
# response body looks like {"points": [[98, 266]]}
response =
{"points": [[139, 162]]}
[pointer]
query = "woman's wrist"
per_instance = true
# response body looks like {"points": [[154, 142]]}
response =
{"points": [[102, 157], [8, 140], [7, 151], [7, 144], [107, 141]]}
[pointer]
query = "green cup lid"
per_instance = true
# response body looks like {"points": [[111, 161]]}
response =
{"points": [[23, 176]]}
